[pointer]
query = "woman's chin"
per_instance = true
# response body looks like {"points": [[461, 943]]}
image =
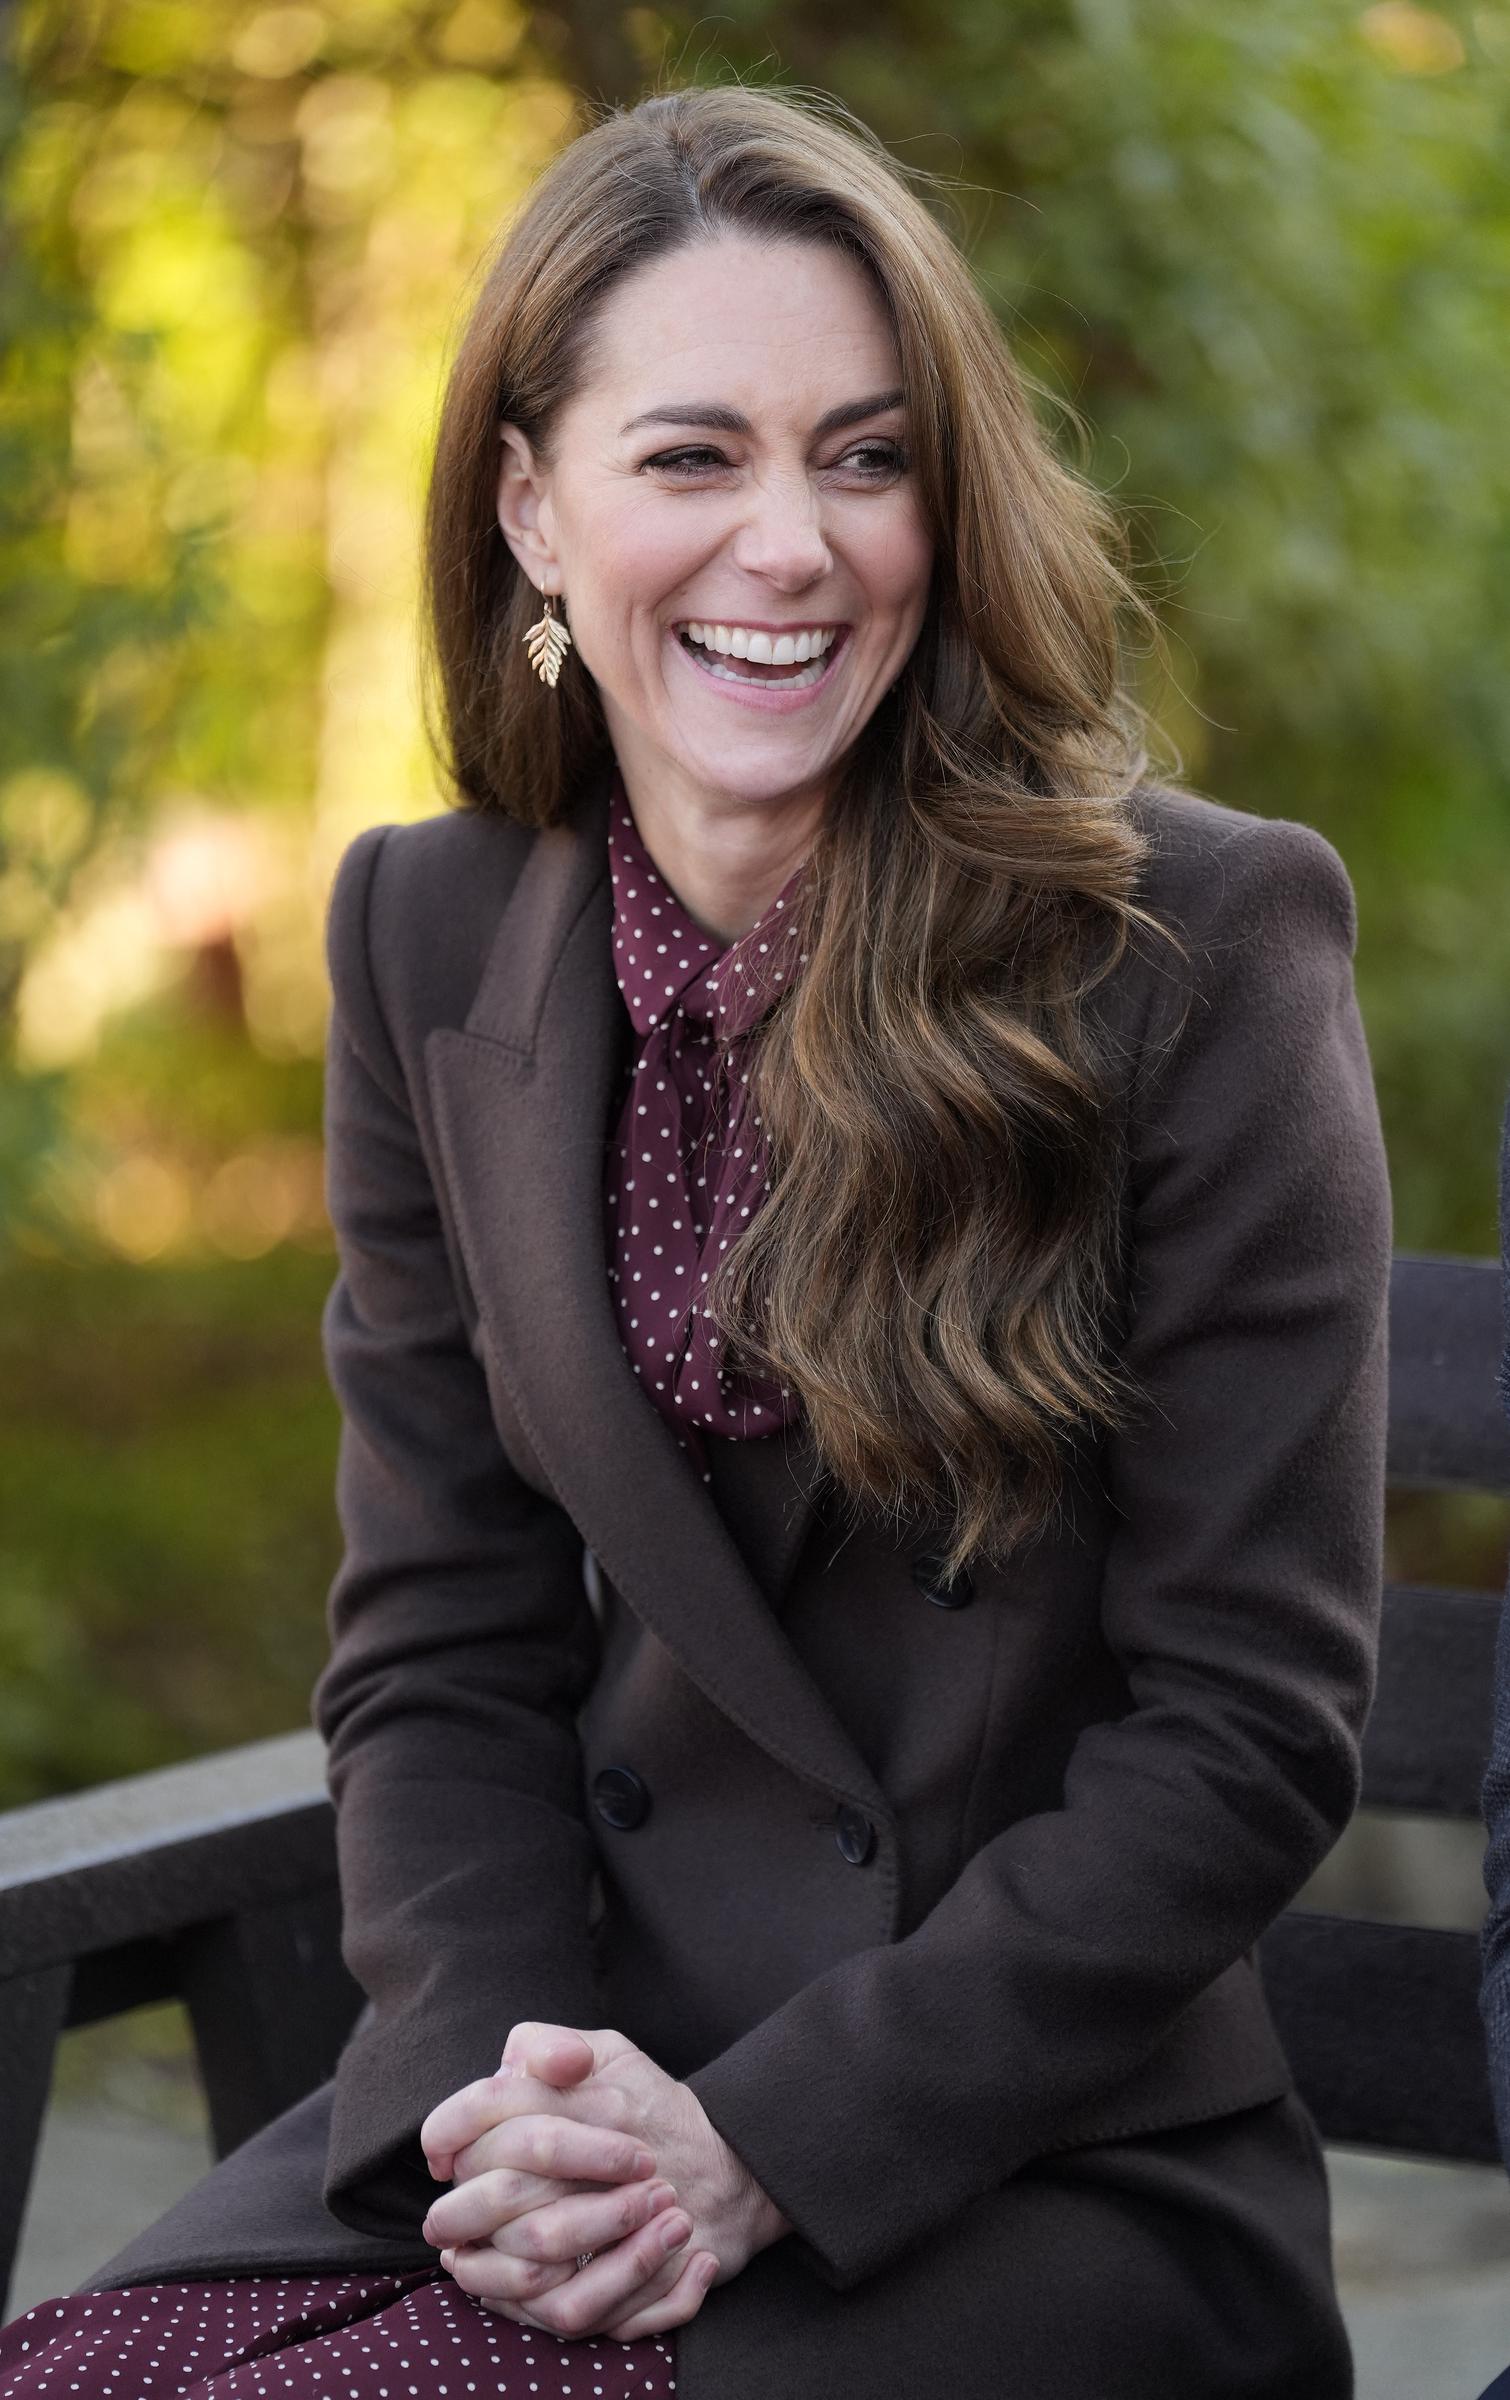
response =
{"points": [[752, 768]]}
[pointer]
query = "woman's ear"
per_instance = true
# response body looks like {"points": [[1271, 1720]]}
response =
{"points": [[524, 509]]}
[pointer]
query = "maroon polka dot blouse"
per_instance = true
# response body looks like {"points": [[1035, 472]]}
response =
{"points": [[415, 2336], [687, 1166]]}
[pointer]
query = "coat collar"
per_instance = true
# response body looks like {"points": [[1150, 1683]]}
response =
{"points": [[521, 1094]]}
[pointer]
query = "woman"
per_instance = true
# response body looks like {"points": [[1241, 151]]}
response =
{"points": [[864, 1241]]}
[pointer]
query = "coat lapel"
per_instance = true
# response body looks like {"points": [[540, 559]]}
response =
{"points": [[521, 1095]]}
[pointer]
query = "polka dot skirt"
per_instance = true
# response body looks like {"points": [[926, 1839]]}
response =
{"points": [[416, 2336], [687, 1165]]}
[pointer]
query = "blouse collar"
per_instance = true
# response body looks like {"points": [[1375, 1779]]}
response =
{"points": [[663, 960]]}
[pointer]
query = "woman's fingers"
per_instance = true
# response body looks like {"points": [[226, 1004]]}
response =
{"points": [[531, 2037], [652, 2293], [565, 2228], [460, 2118], [555, 2053], [590, 2295], [535, 2218], [569, 2149], [694, 2279], [475, 2209], [562, 2057], [465, 2116]]}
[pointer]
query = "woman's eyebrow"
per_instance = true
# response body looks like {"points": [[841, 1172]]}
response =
{"points": [[721, 419]]}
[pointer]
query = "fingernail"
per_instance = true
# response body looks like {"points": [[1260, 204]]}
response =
{"points": [[447, 2257], [643, 2162], [708, 2269], [676, 2231]]}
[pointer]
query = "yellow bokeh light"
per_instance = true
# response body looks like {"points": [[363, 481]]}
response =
{"points": [[104, 957], [263, 1196], [481, 33], [143, 1206], [278, 42], [346, 122], [1415, 40]]}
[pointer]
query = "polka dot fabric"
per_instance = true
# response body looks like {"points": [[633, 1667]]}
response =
{"points": [[416, 2336], [687, 1168]]}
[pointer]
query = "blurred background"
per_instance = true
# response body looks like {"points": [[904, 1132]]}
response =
{"points": [[1255, 263]]}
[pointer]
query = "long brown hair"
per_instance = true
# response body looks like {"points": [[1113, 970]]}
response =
{"points": [[932, 1270]]}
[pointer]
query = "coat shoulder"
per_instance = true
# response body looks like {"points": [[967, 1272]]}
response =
{"points": [[1202, 853], [1240, 893], [412, 912]]}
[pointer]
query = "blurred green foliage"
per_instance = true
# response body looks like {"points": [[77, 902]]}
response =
{"points": [[1255, 264], [167, 1456]]}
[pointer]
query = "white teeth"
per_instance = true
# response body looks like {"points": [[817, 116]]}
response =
{"points": [[720, 642], [739, 641]]}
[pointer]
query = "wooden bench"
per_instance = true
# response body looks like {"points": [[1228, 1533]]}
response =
{"points": [[215, 1882]]}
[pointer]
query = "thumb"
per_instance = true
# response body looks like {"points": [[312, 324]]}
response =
{"points": [[555, 2054]]}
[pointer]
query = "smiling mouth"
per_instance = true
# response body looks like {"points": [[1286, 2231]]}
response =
{"points": [[724, 667]]}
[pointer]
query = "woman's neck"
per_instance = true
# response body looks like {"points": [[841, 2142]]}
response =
{"points": [[725, 858]]}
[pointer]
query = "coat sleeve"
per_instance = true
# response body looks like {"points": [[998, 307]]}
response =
{"points": [[1494, 1996], [461, 1645], [1240, 1594]]}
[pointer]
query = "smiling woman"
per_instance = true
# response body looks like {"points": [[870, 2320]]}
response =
{"points": [[806, 1887]]}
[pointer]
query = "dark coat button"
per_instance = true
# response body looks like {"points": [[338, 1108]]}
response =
{"points": [[928, 1575], [620, 1798], [854, 1833]]}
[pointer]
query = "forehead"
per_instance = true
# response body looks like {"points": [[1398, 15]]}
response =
{"points": [[777, 329]]}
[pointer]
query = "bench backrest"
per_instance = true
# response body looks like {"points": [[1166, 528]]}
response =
{"points": [[1381, 2021]]}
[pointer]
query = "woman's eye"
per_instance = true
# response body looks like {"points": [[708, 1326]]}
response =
{"points": [[890, 458], [685, 462], [886, 459]]}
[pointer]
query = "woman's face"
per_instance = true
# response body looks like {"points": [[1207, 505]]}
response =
{"points": [[696, 483]]}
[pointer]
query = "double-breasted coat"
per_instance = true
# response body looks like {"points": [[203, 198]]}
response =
{"points": [[943, 1901]]}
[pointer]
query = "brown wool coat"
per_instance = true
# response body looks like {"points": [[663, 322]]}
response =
{"points": [[1068, 1806]]}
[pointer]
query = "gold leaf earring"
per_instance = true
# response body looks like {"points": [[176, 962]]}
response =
{"points": [[547, 643]]}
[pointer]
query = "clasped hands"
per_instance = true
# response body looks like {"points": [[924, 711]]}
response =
{"points": [[581, 2142]]}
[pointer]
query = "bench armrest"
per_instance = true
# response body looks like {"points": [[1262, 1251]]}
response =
{"points": [[213, 1882], [154, 1853]]}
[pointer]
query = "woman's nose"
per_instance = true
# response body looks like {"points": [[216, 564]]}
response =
{"points": [[782, 537]]}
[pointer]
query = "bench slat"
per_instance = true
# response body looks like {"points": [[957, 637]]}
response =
{"points": [[1381, 2025], [1447, 1428], [1426, 1744], [271, 2002]]}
